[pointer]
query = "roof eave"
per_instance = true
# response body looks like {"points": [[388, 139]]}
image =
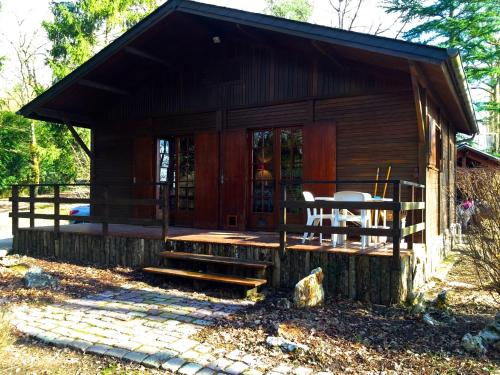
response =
{"points": [[29, 109], [454, 68]]}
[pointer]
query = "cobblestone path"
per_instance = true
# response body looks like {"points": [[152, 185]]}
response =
{"points": [[148, 326]]}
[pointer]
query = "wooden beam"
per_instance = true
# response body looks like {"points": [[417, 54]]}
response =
{"points": [[103, 87], [418, 107], [324, 51], [64, 116], [147, 56], [80, 141]]}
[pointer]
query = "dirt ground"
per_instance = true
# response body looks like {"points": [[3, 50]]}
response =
{"points": [[351, 337], [345, 336]]}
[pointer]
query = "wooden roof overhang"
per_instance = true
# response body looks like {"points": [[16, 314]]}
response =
{"points": [[482, 157], [180, 31]]}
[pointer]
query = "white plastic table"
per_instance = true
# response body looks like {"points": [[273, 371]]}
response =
{"points": [[373, 199]]}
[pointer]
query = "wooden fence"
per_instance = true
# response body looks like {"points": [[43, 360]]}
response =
{"points": [[105, 201]]}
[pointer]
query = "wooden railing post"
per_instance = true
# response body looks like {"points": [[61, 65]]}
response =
{"points": [[15, 209], [283, 219], [165, 211], [277, 255], [57, 211], [411, 219], [32, 206], [396, 226], [105, 213]]}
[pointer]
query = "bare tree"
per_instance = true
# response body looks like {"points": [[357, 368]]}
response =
{"points": [[483, 237], [29, 55], [347, 15]]}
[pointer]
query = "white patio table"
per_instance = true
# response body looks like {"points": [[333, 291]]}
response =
{"points": [[373, 199]]}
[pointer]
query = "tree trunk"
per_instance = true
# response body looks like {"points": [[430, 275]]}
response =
{"points": [[34, 157]]}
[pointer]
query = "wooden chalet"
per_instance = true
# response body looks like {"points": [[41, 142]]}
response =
{"points": [[471, 157], [207, 125]]}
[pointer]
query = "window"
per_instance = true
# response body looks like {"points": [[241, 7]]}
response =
{"points": [[435, 144], [185, 170], [263, 171]]}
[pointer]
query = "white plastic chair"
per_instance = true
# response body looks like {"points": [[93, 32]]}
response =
{"points": [[341, 219], [313, 217]]}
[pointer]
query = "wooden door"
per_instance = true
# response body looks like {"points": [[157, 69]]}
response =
{"points": [[185, 181], [206, 191], [233, 179], [320, 157], [144, 174]]}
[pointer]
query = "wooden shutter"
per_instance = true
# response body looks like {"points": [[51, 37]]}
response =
{"points": [[206, 190], [144, 174], [234, 183], [320, 157]]}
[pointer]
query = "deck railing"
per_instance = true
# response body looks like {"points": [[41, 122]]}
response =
{"points": [[396, 206], [100, 197]]}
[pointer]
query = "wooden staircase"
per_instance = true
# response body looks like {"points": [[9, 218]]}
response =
{"points": [[215, 269]]}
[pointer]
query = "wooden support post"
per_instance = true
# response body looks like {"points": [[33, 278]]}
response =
{"points": [[283, 221], [105, 214], [411, 219], [165, 212], [80, 141], [396, 282], [32, 206], [15, 209], [57, 211], [396, 226]]}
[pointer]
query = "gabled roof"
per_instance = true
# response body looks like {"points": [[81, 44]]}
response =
{"points": [[444, 64], [481, 154]]}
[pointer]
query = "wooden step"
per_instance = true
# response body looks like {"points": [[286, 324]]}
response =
{"points": [[205, 258], [242, 281]]}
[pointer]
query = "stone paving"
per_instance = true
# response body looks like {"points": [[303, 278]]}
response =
{"points": [[148, 326]]}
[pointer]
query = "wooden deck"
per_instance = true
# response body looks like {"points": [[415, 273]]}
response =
{"points": [[269, 240]]}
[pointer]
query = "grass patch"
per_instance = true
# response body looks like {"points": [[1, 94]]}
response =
{"points": [[6, 332]]}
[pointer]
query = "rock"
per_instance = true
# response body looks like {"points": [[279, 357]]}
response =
{"points": [[309, 291], [37, 278], [473, 344], [3, 253], [9, 261], [489, 335], [441, 301], [427, 319], [284, 344], [284, 303], [275, 341]]}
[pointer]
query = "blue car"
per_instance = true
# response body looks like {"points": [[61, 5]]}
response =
{"points": [[79, 211]]}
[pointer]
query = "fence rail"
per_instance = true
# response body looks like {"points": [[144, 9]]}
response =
{"points": [[104, 201]]}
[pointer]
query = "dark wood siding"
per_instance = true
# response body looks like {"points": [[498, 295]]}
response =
{"points": [[114, 152], [234, 153], [144, 173], [373, 131], [320, 147], [255, 75], [206, 191]]}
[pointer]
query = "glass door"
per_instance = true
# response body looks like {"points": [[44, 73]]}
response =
{"points": [[276, 155], [176, 166]]}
